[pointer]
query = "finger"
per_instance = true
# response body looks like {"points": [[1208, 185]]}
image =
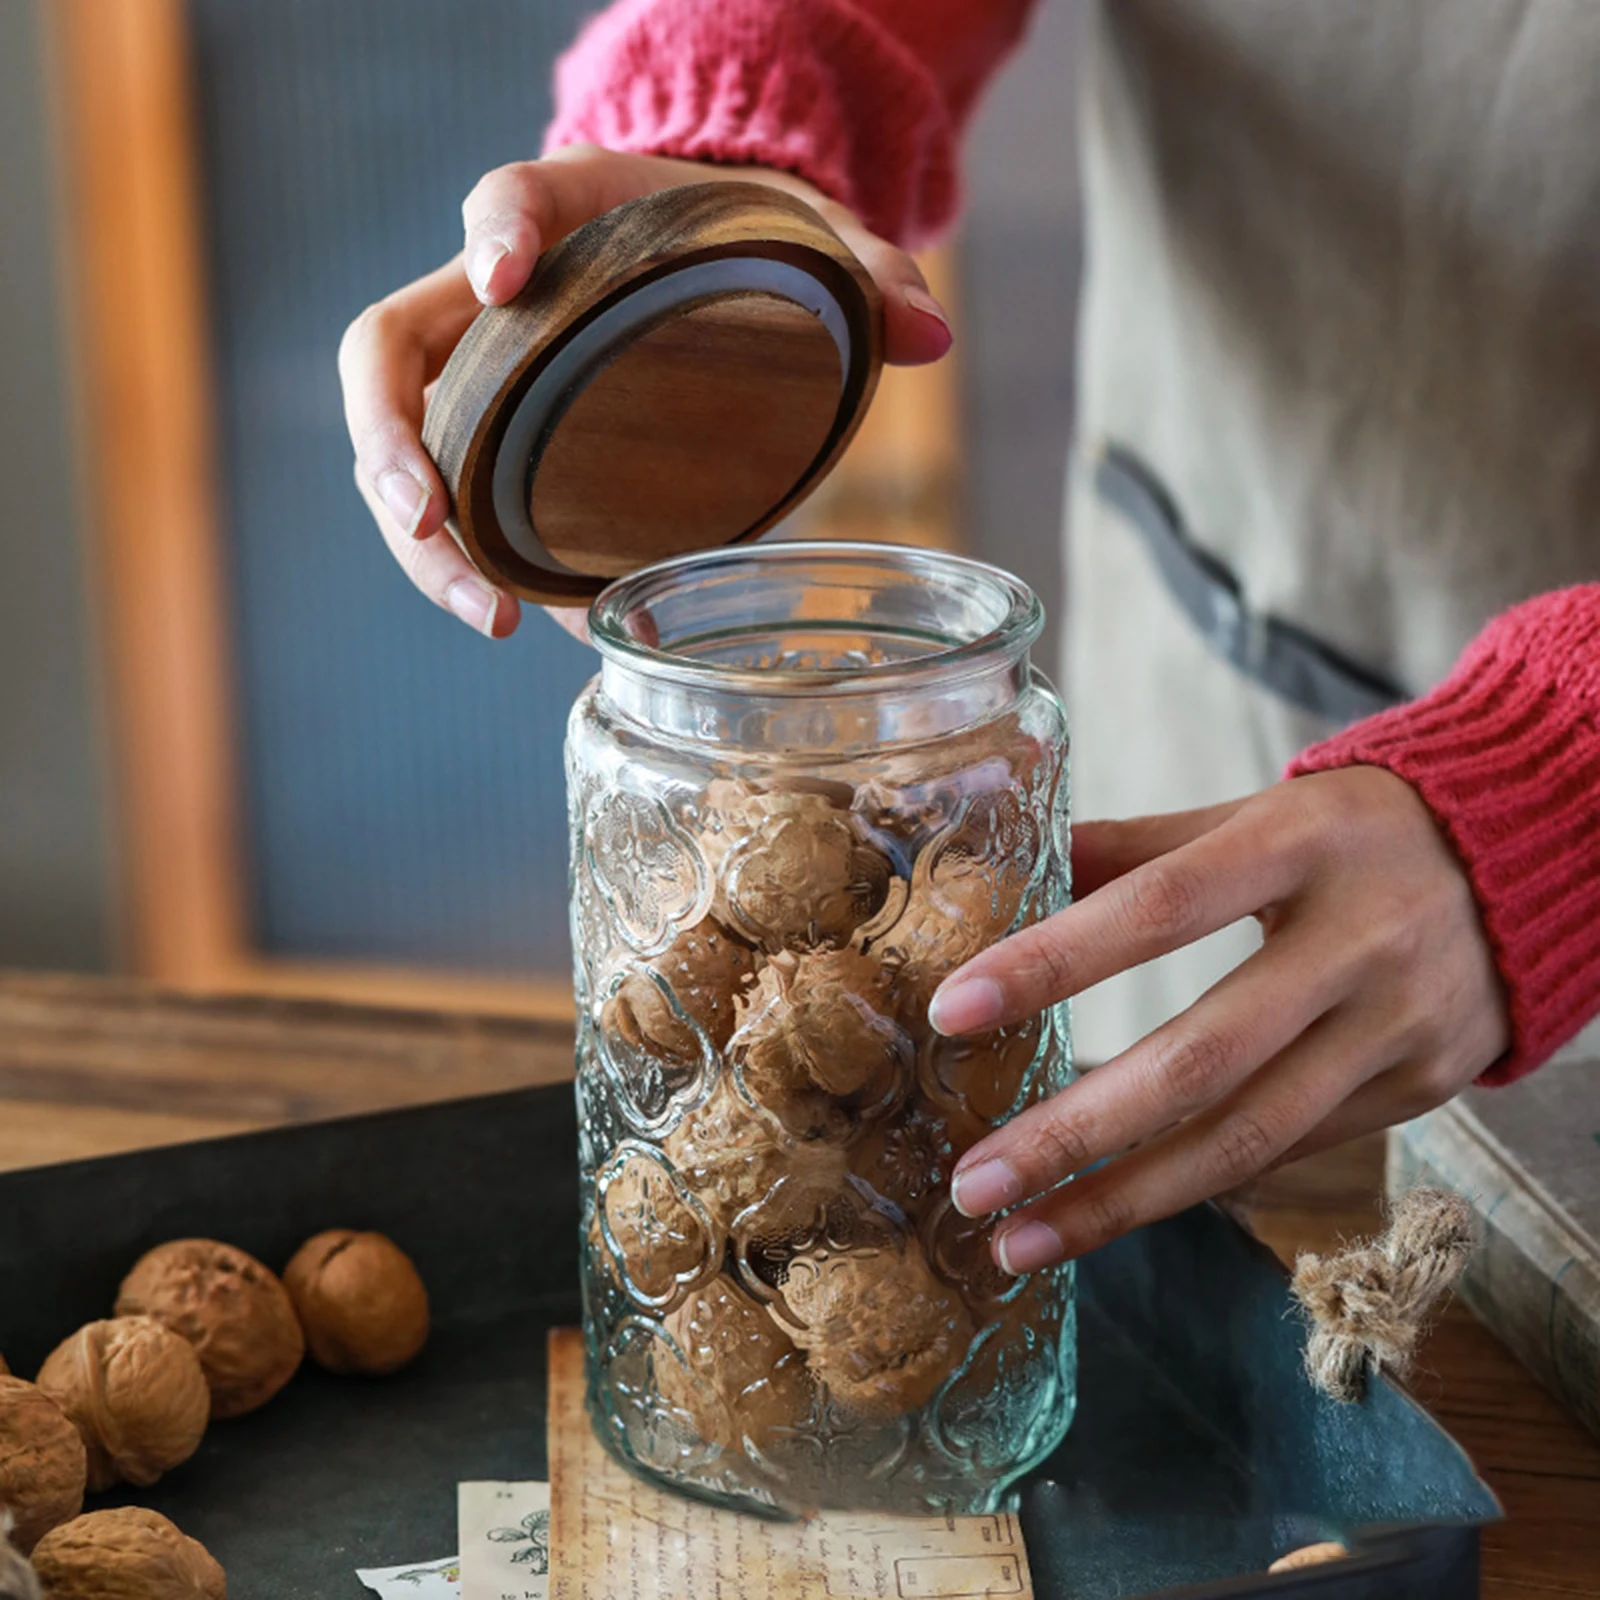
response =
{"points": [[387, 356], [1159, 906], [517, 212], [916, 327], [1213, 1152], [1391, 1097], [441, 571], [1189, 1063], [1102, 851]]}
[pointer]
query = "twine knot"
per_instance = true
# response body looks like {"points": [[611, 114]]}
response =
{"points": [[1370, 1302]]}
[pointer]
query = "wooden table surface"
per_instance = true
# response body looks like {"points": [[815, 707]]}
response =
{"points": [[90, 1067]]}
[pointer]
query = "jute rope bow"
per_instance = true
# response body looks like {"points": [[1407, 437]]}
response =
{"points": [[1370, 1302]]}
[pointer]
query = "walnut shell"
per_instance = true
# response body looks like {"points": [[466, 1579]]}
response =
{"points": [[741, 1376], [878, 1328], [794, 871], [820, 1021], [731, 1155], [656, 1239], [126, 1554], [944, 925], [43, 1469], [908, 1158], [135, 1392], [233, 1310], [5, 1371], [705, 968], [360, 1301]]}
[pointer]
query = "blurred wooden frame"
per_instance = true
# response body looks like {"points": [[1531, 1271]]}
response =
{"points": [[122, 75]]}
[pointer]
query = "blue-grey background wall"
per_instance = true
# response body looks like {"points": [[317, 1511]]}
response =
{"points": [[403, 778], [55, 878]]}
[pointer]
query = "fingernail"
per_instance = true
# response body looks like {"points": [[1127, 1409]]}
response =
{"points": [[967, 1005], [1028, 1246], [990, 1186], [922, 302], [475, 603], [487, 254], [406, 498]]}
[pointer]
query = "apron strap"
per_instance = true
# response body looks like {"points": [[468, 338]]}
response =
{"points": [[1281, 656]]}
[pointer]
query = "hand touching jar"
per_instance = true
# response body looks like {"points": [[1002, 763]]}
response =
{"points": [[809, 782]]}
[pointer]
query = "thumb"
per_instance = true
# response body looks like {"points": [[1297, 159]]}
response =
{"points": [[1102, 851], [916, 328]]}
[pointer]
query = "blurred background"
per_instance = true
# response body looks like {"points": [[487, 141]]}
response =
{"points": [[236, 750]]}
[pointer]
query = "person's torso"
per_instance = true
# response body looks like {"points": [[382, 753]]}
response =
{"points": [[1344, 296]]}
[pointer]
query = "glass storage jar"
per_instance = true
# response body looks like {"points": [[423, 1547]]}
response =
{"points": [[810, 781]]}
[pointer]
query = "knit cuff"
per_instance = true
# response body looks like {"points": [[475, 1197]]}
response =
{"points": [[818, 89], [1506, 754]]}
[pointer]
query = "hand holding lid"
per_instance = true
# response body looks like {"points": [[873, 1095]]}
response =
{"points": [[678, 373]]}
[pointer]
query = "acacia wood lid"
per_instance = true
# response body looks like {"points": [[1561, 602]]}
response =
{"points": [[678, 374]]}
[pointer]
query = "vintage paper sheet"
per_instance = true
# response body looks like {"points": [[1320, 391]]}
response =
{"points": [[613, 1537], [504, 1530], [417, 1580]]}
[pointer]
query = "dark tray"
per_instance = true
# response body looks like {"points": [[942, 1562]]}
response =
{"points": [[1199, 1452]]}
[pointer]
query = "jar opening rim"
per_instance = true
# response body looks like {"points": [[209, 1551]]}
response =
{"points": [[622, 617]]}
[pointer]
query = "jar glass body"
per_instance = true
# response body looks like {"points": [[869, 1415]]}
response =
{"points": [[810, 782]]}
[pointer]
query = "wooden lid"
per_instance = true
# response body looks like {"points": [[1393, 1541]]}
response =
{"points": [[678, 374]]}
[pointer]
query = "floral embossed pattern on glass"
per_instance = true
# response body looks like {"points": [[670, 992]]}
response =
{"points": [[809, 782]]}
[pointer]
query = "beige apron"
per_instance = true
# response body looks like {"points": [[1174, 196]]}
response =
{"points": [[1343, 299]]}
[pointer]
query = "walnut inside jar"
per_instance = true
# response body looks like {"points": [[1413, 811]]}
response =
{"points": [[878, 1328], [942, 927], [819, 1026], [795, 870], [741, 1375], [731, 1154], [705, 969], [908, 1158], [656, 1237]]}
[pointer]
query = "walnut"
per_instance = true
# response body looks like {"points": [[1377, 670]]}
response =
{"points": [[878, 1328], [43, 1469], [731, 1155], [4, 1369], [944, 925], [981, 1075], [1311, 1555], [235, 1313], [360, 1302], [815, 1045], [135, 1392], [908, 1158], [705, 968], [741, 1376], [794, 870], [657, 1239], [126, 1554]]}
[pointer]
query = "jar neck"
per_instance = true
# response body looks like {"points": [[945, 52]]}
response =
{"points": [[825, 723], [814, 650]]}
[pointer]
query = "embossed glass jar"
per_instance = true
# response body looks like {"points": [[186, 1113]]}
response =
{"points": [[808, 783]]}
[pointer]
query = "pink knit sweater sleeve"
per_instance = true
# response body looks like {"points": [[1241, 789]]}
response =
{"points": [[866, 99], [1506, 754]]}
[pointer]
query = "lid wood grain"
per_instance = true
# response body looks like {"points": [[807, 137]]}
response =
{"points": [[678, 374]]}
